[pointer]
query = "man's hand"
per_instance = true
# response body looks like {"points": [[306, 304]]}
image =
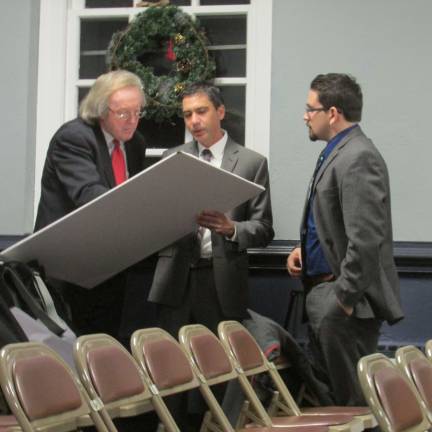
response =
{"points": [[216, 221], [294, 263]]}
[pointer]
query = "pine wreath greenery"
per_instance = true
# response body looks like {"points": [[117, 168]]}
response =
{"points": [[167, 50]]}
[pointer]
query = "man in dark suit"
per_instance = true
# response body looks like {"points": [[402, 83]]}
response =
{"points": [[346, 254], [203, 277], [86, 157]]}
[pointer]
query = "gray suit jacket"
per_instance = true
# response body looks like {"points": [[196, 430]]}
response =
{"points": [[351, 208], [253, 221]]}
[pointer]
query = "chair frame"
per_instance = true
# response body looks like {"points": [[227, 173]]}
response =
{"points": [[366, 368], [126, 406], [214, 420], [253, 411], [255, 415], [85, 415], [404, 356], [283, 403], [428, 349]]}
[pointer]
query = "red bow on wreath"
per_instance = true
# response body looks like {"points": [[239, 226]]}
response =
{"points": [[170, 54]]}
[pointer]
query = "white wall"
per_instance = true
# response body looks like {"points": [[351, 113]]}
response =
{"points": [[18, 85], [386, 44]]}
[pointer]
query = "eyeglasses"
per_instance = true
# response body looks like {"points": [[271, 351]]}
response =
{"points": [[309, 109], [127, 115]]}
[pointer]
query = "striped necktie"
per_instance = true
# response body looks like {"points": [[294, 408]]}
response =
{"points": [[207, 155]]}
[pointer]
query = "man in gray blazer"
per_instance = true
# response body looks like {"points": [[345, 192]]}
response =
{"points": [[203, 277], [346, 254]]}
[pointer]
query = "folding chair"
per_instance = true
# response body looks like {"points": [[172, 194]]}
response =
{"points": [[112, 377], [391, 396], [209, 355], [43, 392], [165, 363], [249, 358], [168, 366], [418, 369]]}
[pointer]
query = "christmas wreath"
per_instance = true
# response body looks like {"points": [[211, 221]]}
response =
{"points": [[167, 50]]}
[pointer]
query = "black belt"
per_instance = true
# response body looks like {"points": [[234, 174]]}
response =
{"points": [[202, 263], [311, 281]]}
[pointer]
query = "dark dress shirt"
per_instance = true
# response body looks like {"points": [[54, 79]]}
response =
{"points": [[316, 263]]}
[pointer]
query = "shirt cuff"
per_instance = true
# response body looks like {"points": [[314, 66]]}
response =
{"points": [[233, 238]]}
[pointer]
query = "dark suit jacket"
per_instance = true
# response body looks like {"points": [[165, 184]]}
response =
{"points": [[78, 169], [351, 208], [253, 221]]}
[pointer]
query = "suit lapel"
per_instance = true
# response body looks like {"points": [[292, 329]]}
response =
{"points": [[230, 157], [335, 153], [191, 147], [133, 157], [105, 156], [326, 163], [324, 166]]}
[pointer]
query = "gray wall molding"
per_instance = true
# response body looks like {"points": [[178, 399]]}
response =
{"points": [[411, 257]]}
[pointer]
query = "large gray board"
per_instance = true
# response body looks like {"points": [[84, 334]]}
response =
{"points": [[133, 220]]}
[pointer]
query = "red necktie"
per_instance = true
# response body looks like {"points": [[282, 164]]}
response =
{"points": [[118, 163]]}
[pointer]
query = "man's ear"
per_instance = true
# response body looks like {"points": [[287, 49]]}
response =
{"points": [[335, 114], [221, 112]]}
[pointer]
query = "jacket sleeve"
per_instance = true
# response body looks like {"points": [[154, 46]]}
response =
{"points": [[364, 196], [257, 228], [75, 163]]}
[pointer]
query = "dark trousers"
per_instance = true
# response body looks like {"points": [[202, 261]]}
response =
{"points": [[200, 306], [337, 342], [96, 310]]}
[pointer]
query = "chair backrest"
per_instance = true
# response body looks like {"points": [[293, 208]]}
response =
{"points": [[111, 375], [163, 360], [169, 366], [418, 369], [211, 364], [243, 347], [207, 354], [42, 391], [390, 395], [247, 354], [214, 365]]}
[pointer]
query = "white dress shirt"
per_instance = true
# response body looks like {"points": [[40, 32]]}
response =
{"points": [[217, 150]]}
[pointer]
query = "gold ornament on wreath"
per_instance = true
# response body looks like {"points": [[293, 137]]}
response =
{"points": [[166, 48], [179, 39], [179, 88]]}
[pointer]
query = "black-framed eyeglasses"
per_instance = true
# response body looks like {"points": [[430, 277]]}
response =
{"points": [[127, 115], [312, 110]]}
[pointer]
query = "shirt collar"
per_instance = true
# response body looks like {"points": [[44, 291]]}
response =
{"points": [[217, 148], [336, 140], [109, 140]]}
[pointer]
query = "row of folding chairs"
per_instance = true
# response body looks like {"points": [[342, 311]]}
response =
{"points": [[399, 390], [44, 394]]}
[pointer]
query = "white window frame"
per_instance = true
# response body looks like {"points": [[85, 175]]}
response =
{"points": [[59, 56]]}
